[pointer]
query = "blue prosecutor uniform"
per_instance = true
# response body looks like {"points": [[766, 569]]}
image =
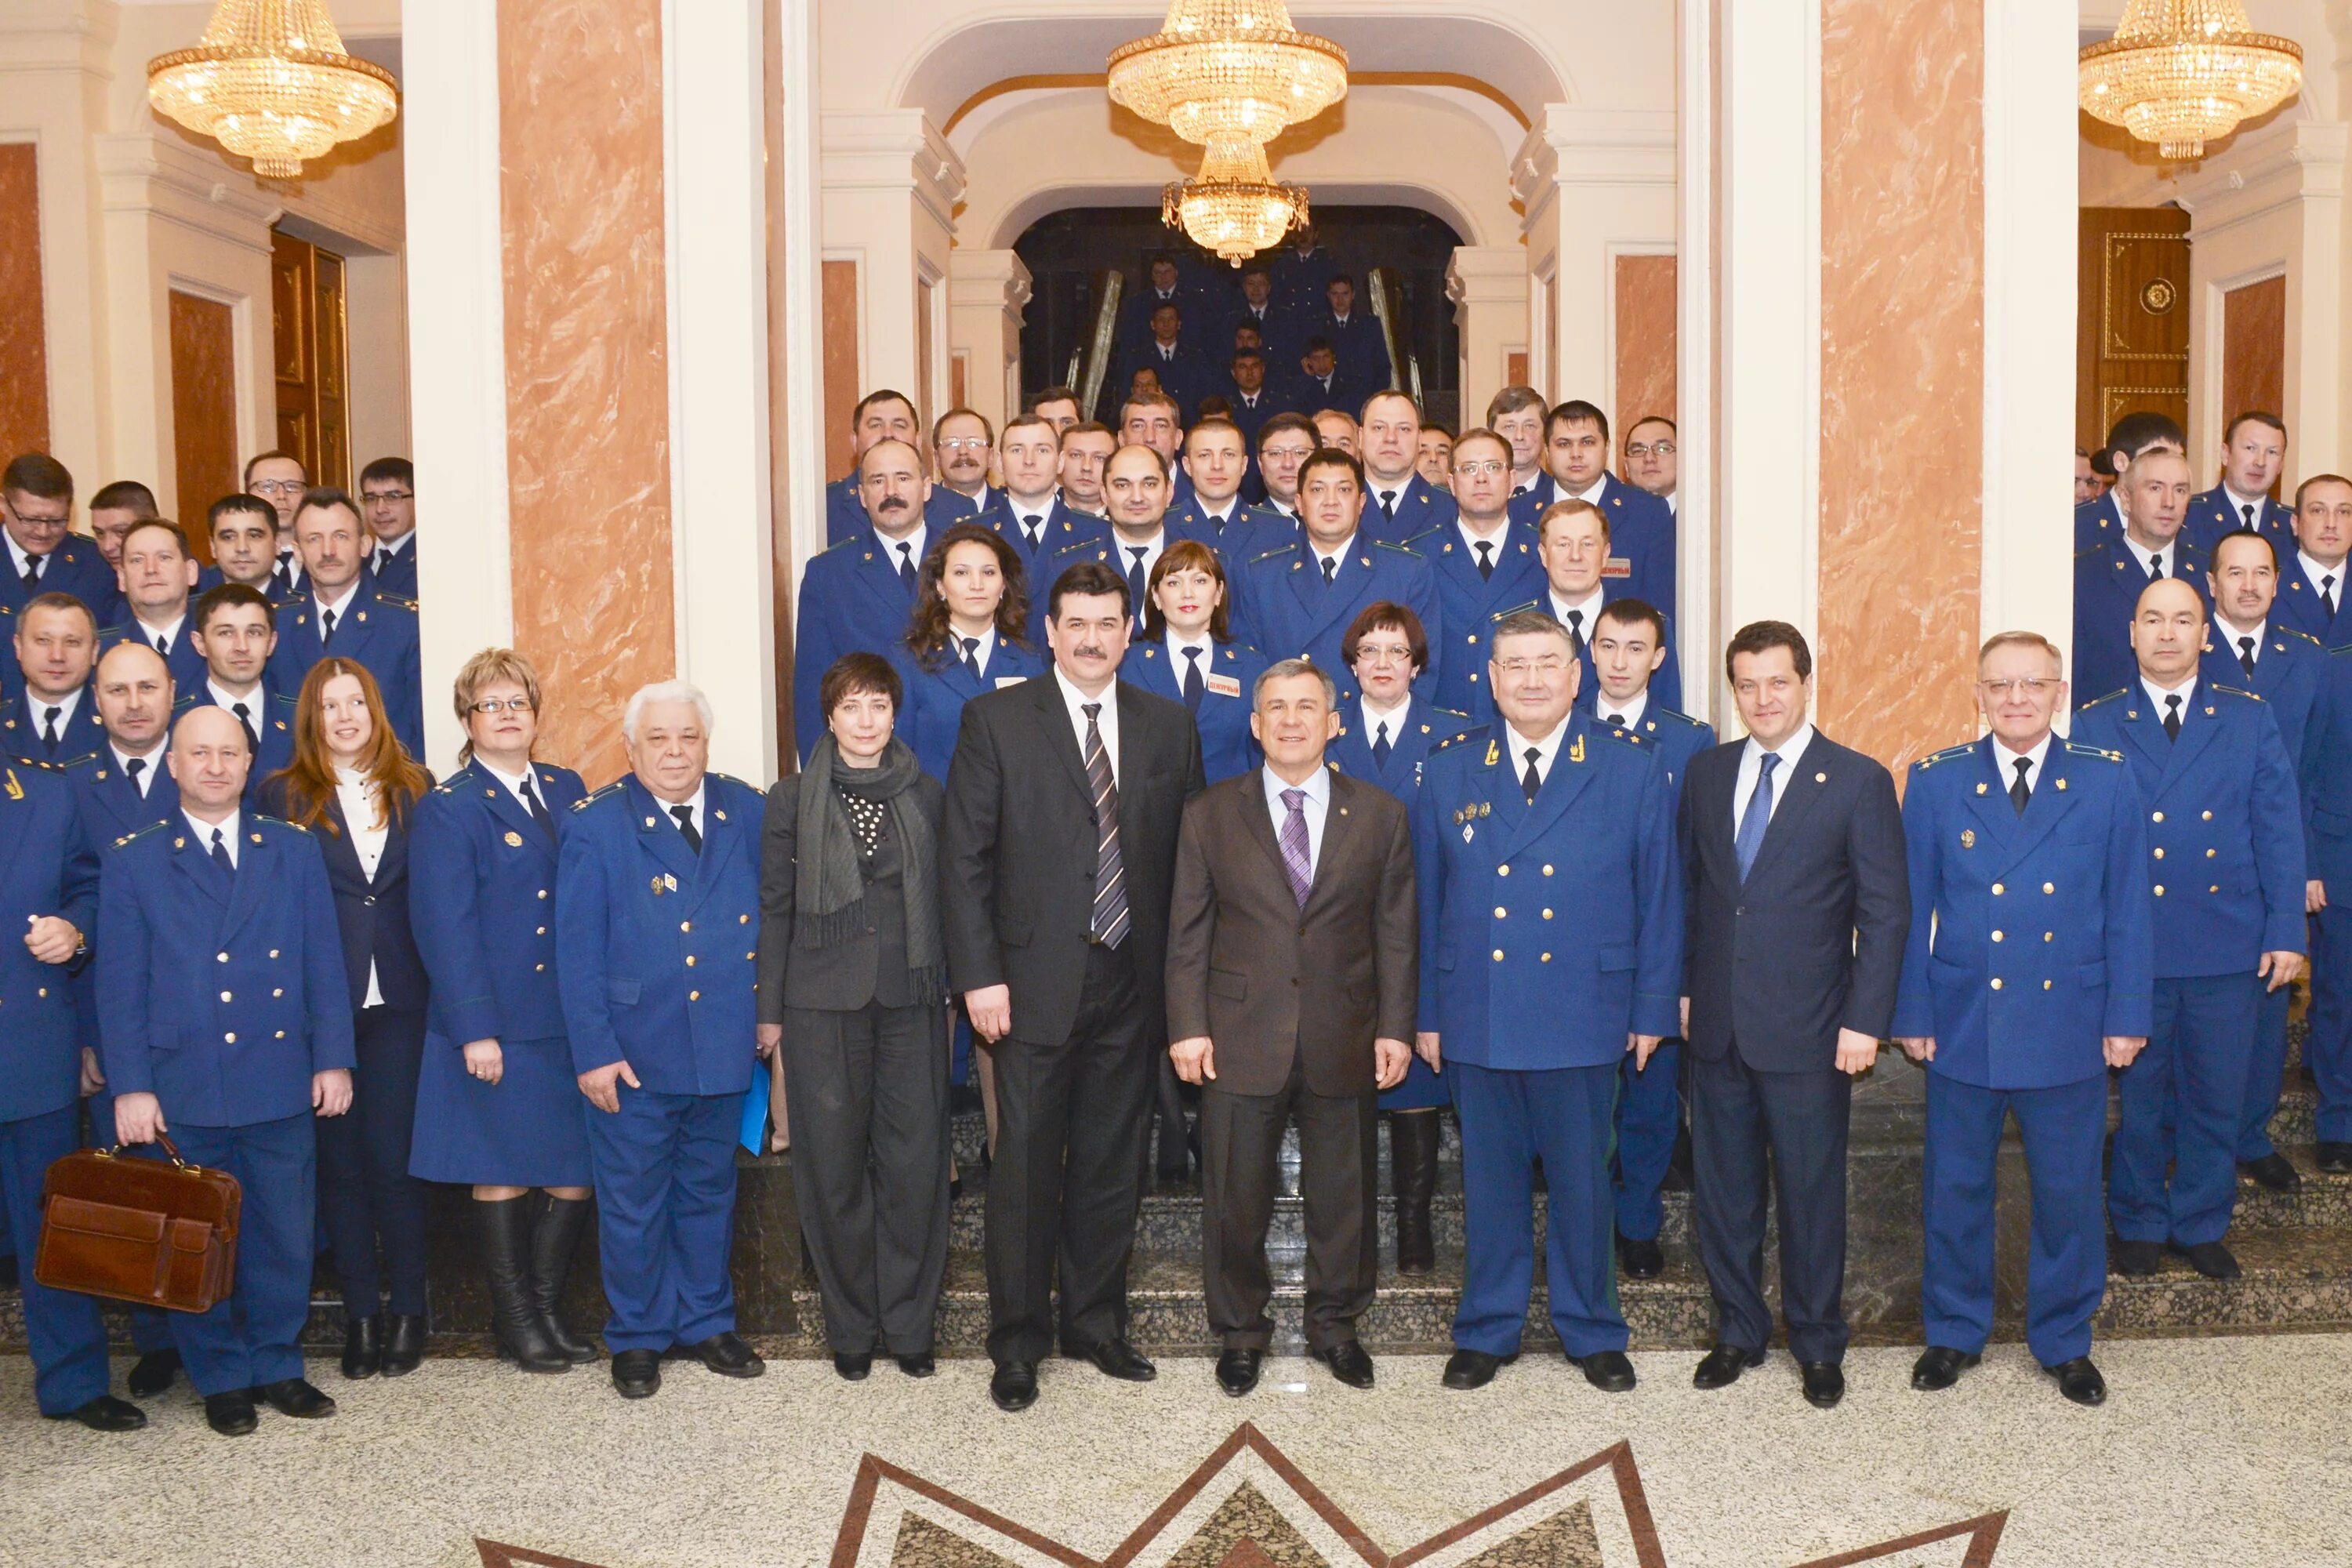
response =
{"points": [[1246, 534], [2108, 579], [2096, 522], [394, 567], [656, 950], [187, 665], [2031, 940], [1292, 613], [484, 869], [2213, 514], [24, 731], [853, 600], [1649, 1101], [845, 513], [1641, 562], [375, 629], [74, 567], [48, 866], [1221, 711], [1549, 933], [1412, 737], [933, 709], [222, 994], [1361, 346], [2226, 834], [1059, 529], [1472, 600], [2313, 605], [1421, 509], [1665, 685], [270, 712]]}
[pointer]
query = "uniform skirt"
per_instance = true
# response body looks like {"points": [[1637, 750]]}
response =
{"points": [[1421, 1090], [528, 1130]]}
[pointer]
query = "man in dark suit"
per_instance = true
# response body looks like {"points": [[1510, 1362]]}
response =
{"points": [[1799, 906], [1276, 325], [1063, 809], [1292, 949]]}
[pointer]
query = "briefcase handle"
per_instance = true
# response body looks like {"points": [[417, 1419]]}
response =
{"points": [[161, 1137]]}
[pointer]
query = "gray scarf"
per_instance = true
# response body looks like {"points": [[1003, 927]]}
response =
{"points": [[831, 894]]}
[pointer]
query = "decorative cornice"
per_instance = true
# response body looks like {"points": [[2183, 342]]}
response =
{"points": [[141, 172], [891, 150], [1487, 275], [2262, 172], [60, 35], [1572, 146], [992, 277]]}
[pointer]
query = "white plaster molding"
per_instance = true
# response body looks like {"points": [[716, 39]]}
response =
{"points": [[60, 35], [996, 277], [1571, 146], [341, 219], [892, 149], [1486, 274], [798, 246], [2264, 172], [144, 172]]}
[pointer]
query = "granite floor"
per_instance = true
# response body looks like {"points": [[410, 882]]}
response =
{"points": [[2212, 1449]]}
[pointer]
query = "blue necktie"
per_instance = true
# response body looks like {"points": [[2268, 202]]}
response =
{"points": [[1758, 818], [1193, 688]]}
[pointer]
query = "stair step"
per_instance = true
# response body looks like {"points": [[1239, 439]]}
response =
{"points": [[2326, 1201], [2293, 1279]]}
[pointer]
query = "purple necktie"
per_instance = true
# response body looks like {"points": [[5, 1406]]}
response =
{"points": [[1295, 861]]}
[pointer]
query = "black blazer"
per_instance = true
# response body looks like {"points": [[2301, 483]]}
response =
{"points": [[373, 915], [1019, 849], [834, 979], [1812, 942]]}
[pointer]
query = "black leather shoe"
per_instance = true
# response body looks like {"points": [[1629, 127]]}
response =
{"points": [[2336, 1159], [2079, 1381], [1640, 1259], [1939, 1367], [729, 1355], [2210, 1258], [403, 1343], [1237, 1371], [917, 1364], [1824, 1384], [363, 1347], [1607, 1371], [2273, 1170], [2137, 1260], [1014, 1385], [152, 1374], [636, 1375], [106, 1413], [1475, 1369], [231, 1415], [1721, 1367], [292, 1396], [1116, 1358], [1348, 1362], [852, 1367]]}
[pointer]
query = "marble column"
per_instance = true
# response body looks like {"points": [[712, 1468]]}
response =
{"points": [[987, 292], [1488, 287]]}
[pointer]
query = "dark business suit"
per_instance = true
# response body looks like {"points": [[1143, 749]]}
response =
{"points": [[1810, 942], [366, 1196], [1073, 1076], [869, 1074], [1292, 997]]}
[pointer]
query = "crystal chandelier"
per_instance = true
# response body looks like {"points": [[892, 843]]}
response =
{"points": [[2180, 73], [1235, 207], [270, 82]]}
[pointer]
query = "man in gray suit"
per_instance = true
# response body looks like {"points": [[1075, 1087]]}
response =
{"points": [[1293, 944]]}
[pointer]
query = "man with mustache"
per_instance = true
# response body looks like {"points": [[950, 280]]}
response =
{"points": [[856, 597]]}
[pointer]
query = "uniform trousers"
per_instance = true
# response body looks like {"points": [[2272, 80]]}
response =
{"points": [[869, 1091], [2065, 1128], [1566, 1117], [366, 1195], [151, 1327], [665, 1168], [2180, 1100], [2327, 1049], [253, 1336], [2265, 1076], [1338, 1169], [1067, 1178], [1649, 1117], [1738, 1116], [62, 1327]]}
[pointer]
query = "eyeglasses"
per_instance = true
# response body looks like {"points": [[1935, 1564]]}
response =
{"points": [[964, 444], [1384, 653], [1488, 469], [2025, 685], [389, 494], [278, 486], [505, 705], [1552, 665], [1650, 448]]}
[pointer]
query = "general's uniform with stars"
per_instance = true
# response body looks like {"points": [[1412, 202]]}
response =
{"points": [[1550, 931], [855, 598], [376, 629], [2108, 579], [1291, 611], [2031, 940], [222, 991], [1473, 599], [656, 955]]}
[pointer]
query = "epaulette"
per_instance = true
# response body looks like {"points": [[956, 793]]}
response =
{"points": [[444, 788], [1449, 713], [1515, 609], [1612, 733], [2306, 637], [2239, 692], [2075, 749], [115, 631], [1678, 717], [1400, 549], [1476, 732], [838, 545], [726, 778], [384, 598], [1270, 554], [2090, 549], [585, 800], [2094, 702], [65, 767], [1948, 754], [140, 833], [280, 822]]}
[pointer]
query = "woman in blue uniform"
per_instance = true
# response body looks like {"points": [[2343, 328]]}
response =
{"points": [[355, 790], [498, 1107], [1188, 655], [1384, 734]]}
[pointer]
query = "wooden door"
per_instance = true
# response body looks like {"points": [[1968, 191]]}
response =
{"points": [[2132, 320], [310, 349], [205, 459]]}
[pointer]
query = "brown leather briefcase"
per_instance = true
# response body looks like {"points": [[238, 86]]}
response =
{"points": [[139, 1230]]}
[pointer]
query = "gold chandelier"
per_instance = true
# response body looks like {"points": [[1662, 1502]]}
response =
{"points": [[2180, 73], [1231, 75], [270, 82]]}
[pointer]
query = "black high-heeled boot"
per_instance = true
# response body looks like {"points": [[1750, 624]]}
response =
{"points": [[552, 1242], [522, 1336], [1412, 1173], [363, 1345]]}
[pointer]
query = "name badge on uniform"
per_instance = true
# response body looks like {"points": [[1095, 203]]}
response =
{"points": [[1617, 566], [1223, 685], [1004, 680]]}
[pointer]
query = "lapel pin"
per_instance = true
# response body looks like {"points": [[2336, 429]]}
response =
{"points": [[257, 838], [1494, 752], [1968, 838], [657, 887], [1343, 811], [1486, 807], [669, 882], [722, 815], [2061, 783], [650, 822], [178, 844], [514, 839], [1468, 832], [1980, 789]]}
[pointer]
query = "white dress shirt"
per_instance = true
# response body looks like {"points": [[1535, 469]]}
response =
{"points": [[694, 817], [1673, 508], [1337, 553], [19, 558], [339, 608], [163, 637], [204, 831], [2240, 505], [1545, 749], [1588, 612], [909, 549], [2159, 699], [514, 782], [1387, 497], [1393, 719], [1472, 539], [1107, 721], [1178, 662], [1628, 712], [1315, 807], [2005, 762], [983, 651], [1751, 767], [1600, 488], [142, 778], [2141, 555], [39, 707], [2328, 580], [2227, 637], [1039, 507], [364, 814], [252, 703]]}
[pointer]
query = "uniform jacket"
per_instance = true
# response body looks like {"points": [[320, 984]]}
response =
{"points": [[1641, 562], [1292, 613], [187, 665], [1425, 730], [1228, 694], [1064, 528], [1248, 534], [2096, 522], [2065, 886], [484, 874], [657, 947], [1470, 602], [373, 911], [1665, 683], [75, 567], [48, 865], [2108, 578], [933, 709], [2213, 514], [79, 737], [852, 601], [1421, 509], [2302, 602], [395, 571], [2290, 673], [378, 630]]}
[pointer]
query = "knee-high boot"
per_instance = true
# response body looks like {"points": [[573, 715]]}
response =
{"points": [[552, 1243], [1412, 1173], [522, 1337]]}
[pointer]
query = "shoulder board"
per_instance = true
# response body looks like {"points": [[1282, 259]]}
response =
{"points": [[1679, 718], [2090, 549], [383, 598], [2075, 749], [447, 787], [727, 779], [140, 833], [1400, 549], [840, 544], [1476, 732], [1947, 755], [2239, 692], [2306, 637], [2094, 702], [279, 822], [1270, 554], [1448, 713], [1515, 609], [65, 767], [1627, 737], [585, 800], [110, 633]]}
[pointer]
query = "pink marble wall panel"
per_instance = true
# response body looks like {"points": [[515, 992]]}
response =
{"points": [[1647, 315], [23, 342], [1902, 435], [580, 106]]}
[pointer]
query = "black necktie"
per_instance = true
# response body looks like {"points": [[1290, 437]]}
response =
{"points": [[221, 857], [325, 628], [971, 656], [2327, 592], [281, 581], [1137, 577], [1331, 570], [693, 837], [1195, 686], [1388, 505], [1033, 526], [2246, 656], [907, 565], [2018, 794], [49, 728], [1486, 559], [131, 770], [2156, 566], [164, 644], [1614, 721], [2172, 717], [2250, 515], [1534, 780], [1380, 746], [1576, 631], [33, 573], [538, 809], [252, 739]]}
